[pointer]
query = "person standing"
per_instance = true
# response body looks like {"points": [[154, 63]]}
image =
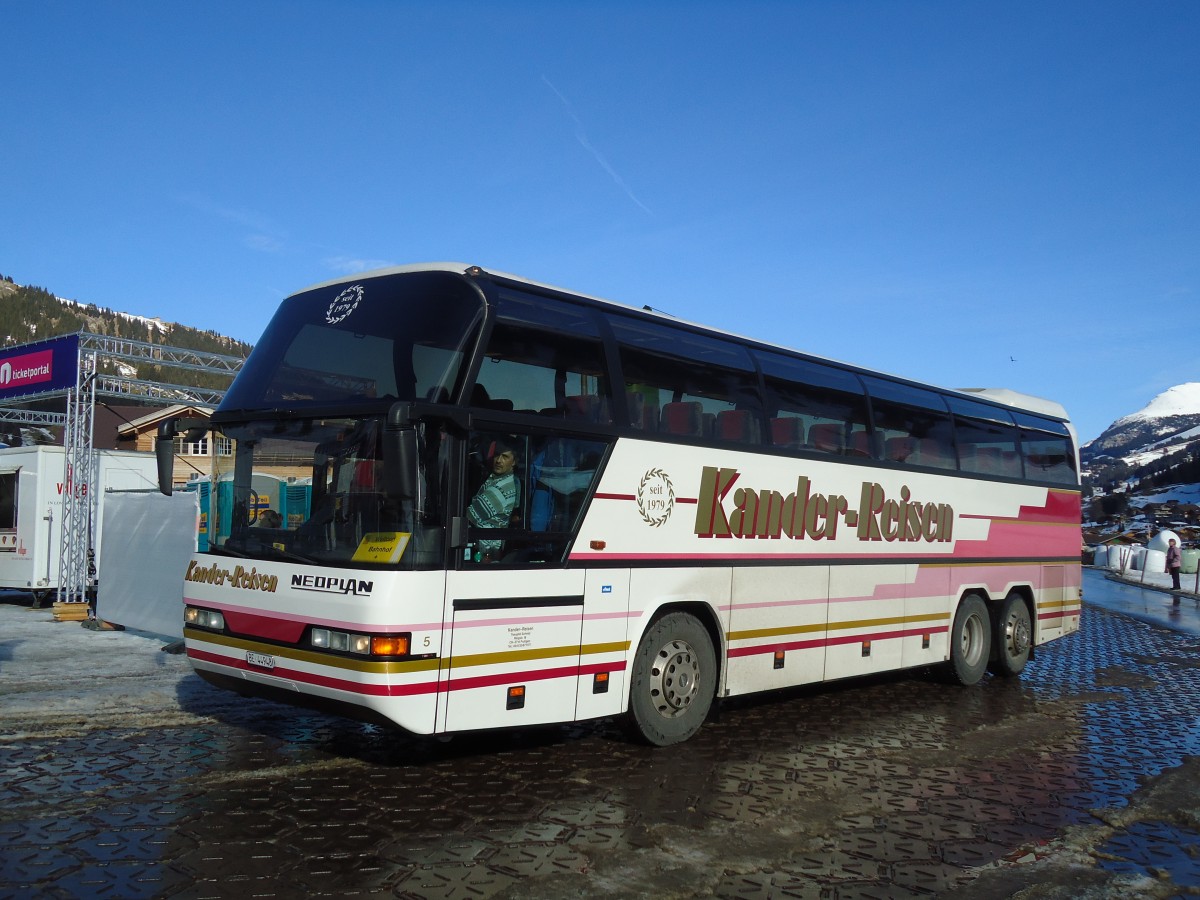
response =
{"points": [[1174, 563]]}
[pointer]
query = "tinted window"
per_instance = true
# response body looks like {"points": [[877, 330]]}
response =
{"points": [[987, 439], [544, 357], [526, 511], [912, 424], [814, 406], [686, 384], [1047, 450], [403, 336]]}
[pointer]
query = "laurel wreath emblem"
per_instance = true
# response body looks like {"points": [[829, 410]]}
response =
{"points": [[344, 304], [656, 518]]}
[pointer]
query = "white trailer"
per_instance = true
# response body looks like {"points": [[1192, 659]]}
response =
{"points": [[32, 485]]}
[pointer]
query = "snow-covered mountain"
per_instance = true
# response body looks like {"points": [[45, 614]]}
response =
{"points": [[1167, 423], [1145, 467]]}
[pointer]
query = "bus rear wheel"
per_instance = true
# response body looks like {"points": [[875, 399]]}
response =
{"points": [[970, 641], [674, 680], [1014, 637]]}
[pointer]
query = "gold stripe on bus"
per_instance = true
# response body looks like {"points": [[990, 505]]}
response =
{"points": [[834, 626], [401, 666], [510, 656], [319, 659], [1057, 604]]}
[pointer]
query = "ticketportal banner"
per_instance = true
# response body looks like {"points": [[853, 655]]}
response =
{"points": [[37, 368]]}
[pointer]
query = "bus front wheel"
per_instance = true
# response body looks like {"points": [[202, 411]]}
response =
{"points": [[674, 680], [1014, 637], [970, 641]]}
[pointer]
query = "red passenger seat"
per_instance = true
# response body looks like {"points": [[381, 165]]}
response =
{"points": [[826, 437], [685, 417], [738, 425], [787, 431]]}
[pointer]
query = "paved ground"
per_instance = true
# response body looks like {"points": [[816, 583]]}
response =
{"points": [[125, 776]]}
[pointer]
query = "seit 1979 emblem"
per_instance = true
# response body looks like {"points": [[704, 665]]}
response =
{"points": [[344, 304], [655, 497]]}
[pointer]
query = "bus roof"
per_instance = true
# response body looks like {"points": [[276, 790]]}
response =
{"points": [[1001, 396]]}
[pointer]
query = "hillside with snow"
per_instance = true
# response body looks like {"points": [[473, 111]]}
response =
{"points": [[1145, 467], [29, 313], [1168, 421]]}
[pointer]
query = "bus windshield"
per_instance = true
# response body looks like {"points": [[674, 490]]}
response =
{"points": [[315, 490], [380, 339]]}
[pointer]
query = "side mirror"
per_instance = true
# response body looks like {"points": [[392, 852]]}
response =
{"points": [[164, 452], [164, 449], [401, 454]]}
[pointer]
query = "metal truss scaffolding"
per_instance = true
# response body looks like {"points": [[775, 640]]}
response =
{"points": [[77, 573], [79, 483]]}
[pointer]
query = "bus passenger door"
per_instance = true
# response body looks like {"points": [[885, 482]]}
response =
{"points": [[605, 647], [514, 647]]}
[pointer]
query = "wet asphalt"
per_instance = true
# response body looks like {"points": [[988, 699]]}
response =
{"points": [[1075, 780]]}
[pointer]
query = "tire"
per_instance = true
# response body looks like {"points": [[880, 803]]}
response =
{"points": [[1012, 639], [970, 641], [674, 681]]}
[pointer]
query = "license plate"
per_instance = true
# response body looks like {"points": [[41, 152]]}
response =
{"points": [[262, 660]]}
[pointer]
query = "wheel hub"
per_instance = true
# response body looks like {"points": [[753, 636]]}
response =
{"points": [[1019, 637], [674, 678]]}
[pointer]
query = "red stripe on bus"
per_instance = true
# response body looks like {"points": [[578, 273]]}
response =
{"points": [[632, 497], [400, 690], [834, 641], [467, 684], [1065, 614]]}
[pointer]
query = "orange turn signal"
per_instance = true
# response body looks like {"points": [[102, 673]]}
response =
{"points": [[389, 645]]}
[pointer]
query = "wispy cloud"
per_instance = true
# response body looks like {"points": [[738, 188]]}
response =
{"points": [[585, 142], [348, 265], [260, 233], [264, 243]]}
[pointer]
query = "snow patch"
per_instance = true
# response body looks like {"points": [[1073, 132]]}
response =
{"points": [[1180, 400], [154, 324]]}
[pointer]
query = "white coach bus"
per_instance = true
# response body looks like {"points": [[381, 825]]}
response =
{"points": [[532, 506]]}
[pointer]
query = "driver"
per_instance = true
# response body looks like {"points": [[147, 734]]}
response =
{"points": [[494, 502]]}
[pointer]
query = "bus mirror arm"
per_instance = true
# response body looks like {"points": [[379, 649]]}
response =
{"points": [[408, 412]]}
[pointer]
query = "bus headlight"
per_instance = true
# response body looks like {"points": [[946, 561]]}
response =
{"points": [[203, 618], [361, 644]]}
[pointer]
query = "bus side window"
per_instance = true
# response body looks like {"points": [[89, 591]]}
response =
{"points": [[545, 358], [552, 476], [915, 423], [987, 439], [560, 473], [687, 385], [1047, 448], [815, 406]]}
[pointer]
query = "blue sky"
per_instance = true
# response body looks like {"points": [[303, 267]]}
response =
{"points": [[971, 194]]}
